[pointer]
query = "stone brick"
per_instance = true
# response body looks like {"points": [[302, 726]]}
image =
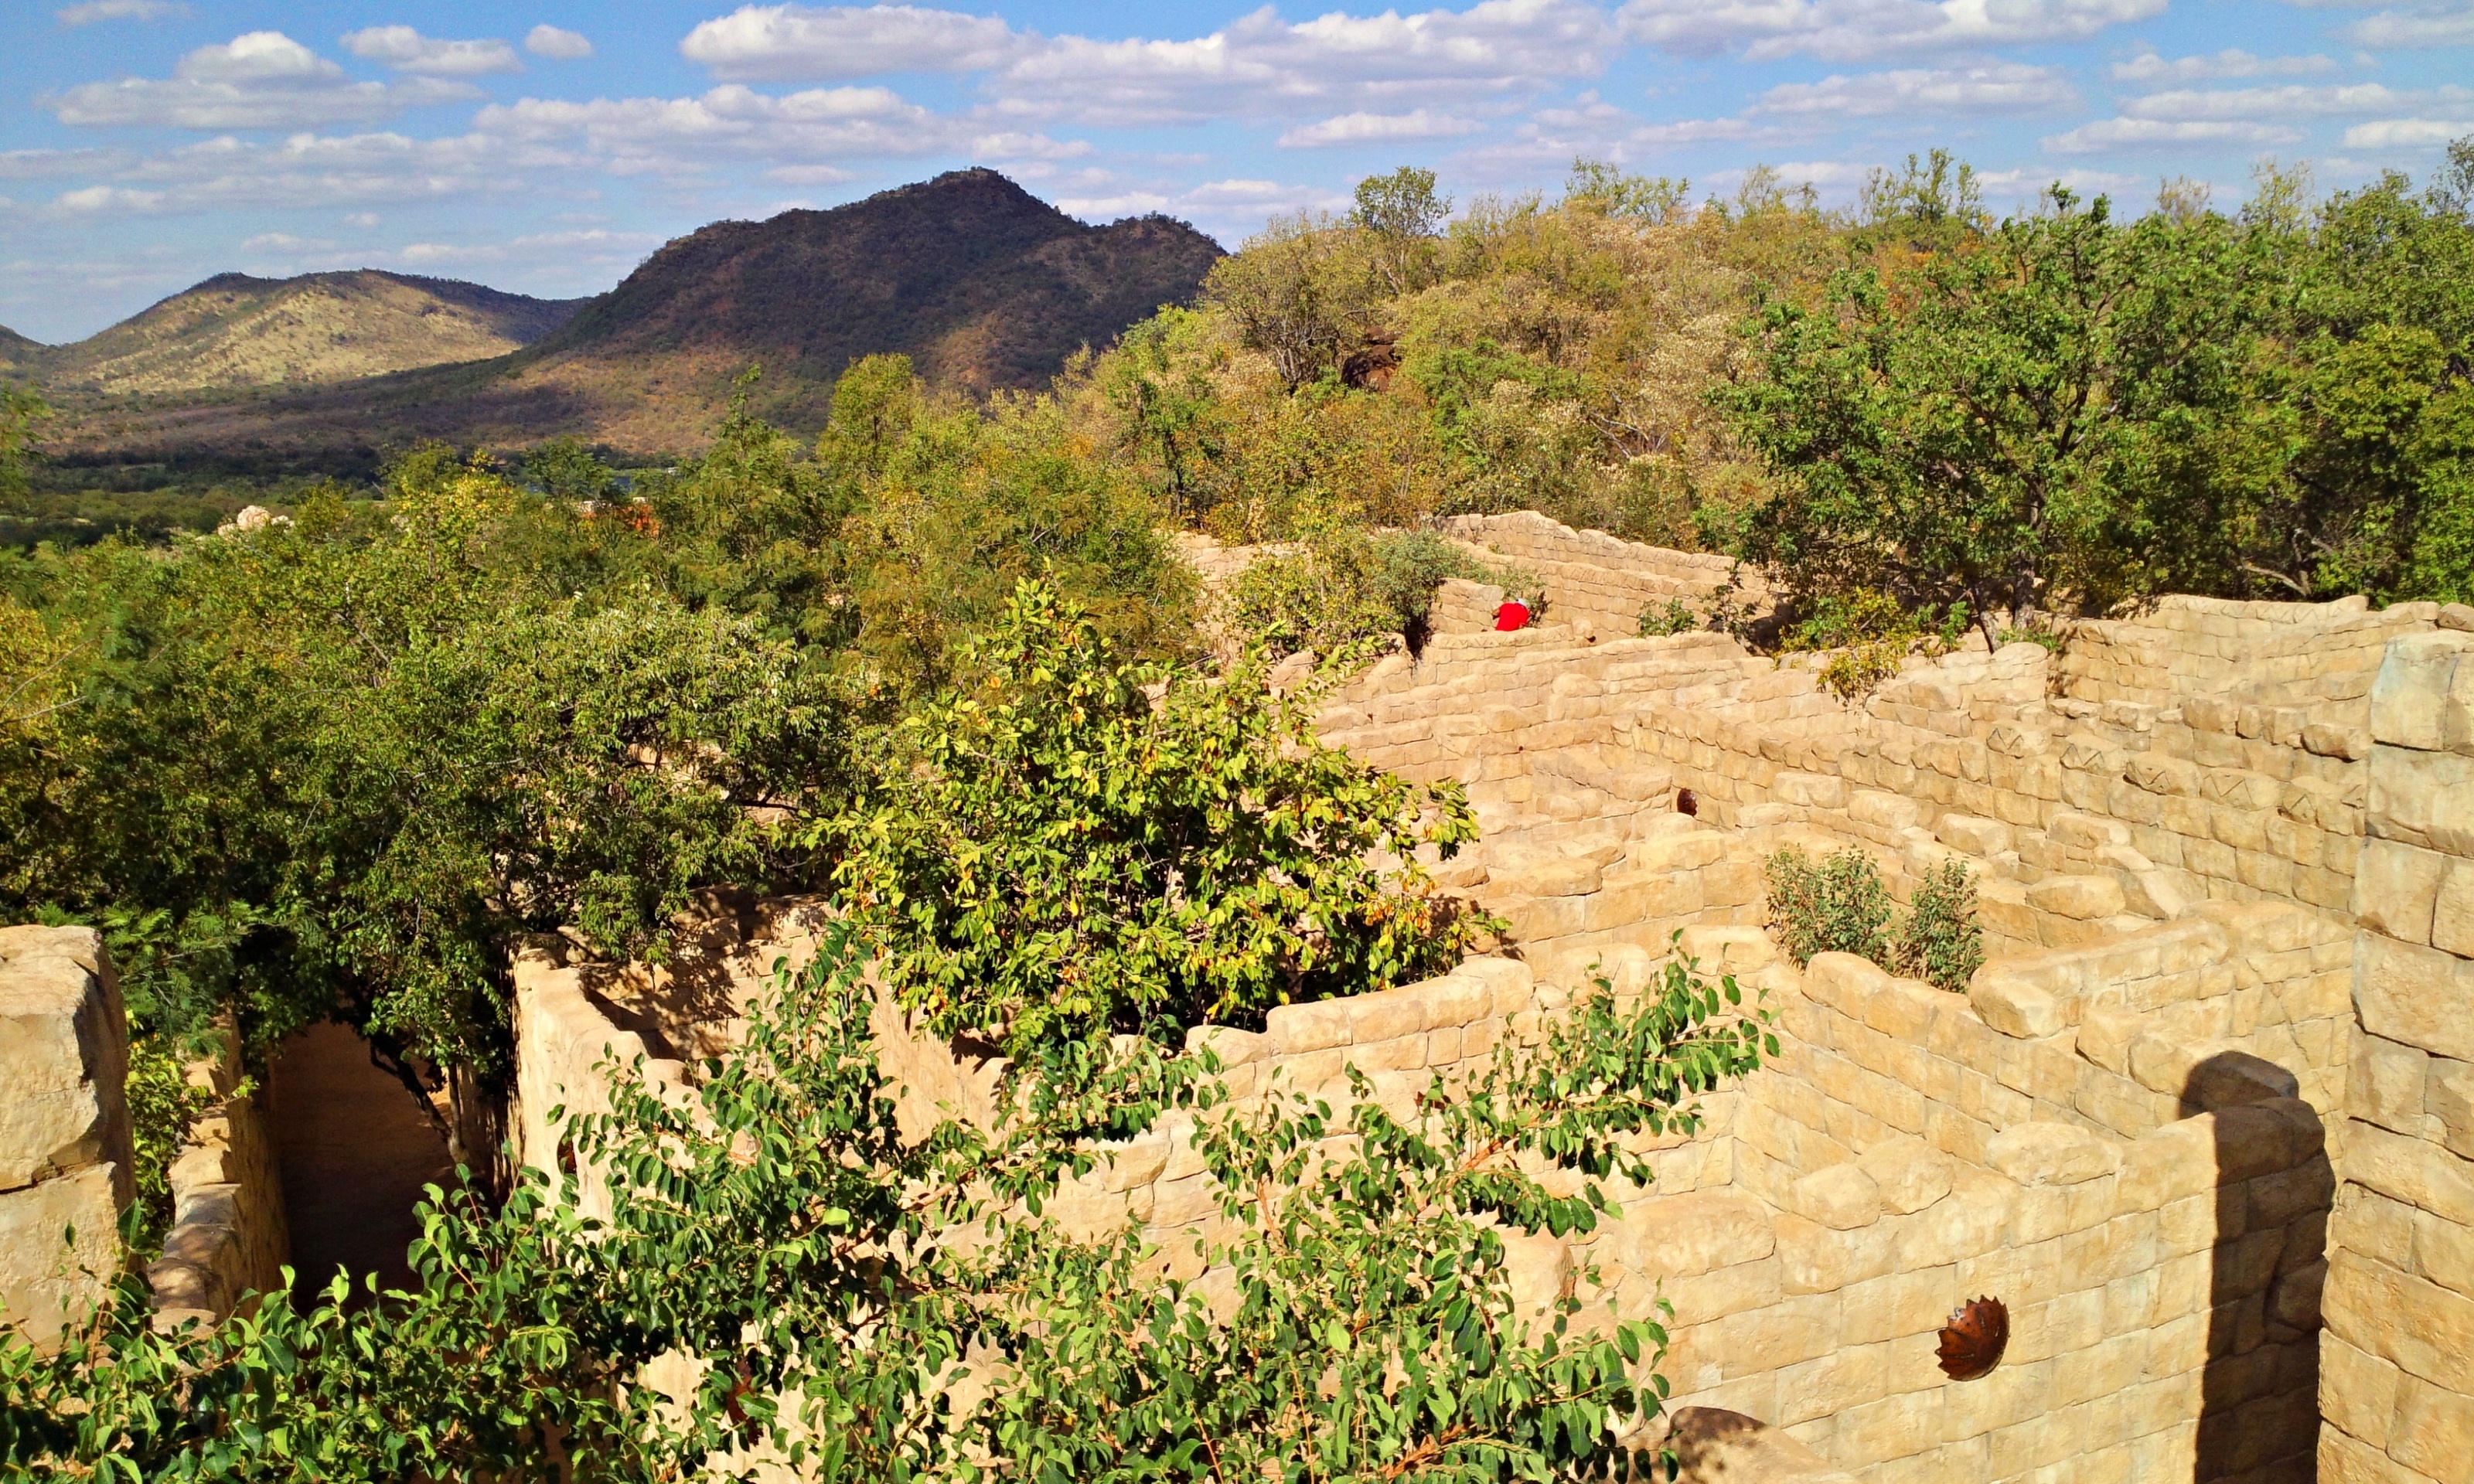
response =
{"points": [[65, 1045], [2452, 925], [2424, 798], [1840, 1197], [2081, 898], [1681, 1234], [2014, 1008], [2395, 889], [2416, 996], [1909, 1173], [2053, 1154], [2409, 699]]}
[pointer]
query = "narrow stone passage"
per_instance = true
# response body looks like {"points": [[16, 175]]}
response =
{"points": [[355, 1153]]}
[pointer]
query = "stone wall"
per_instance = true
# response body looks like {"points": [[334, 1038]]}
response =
{"points": [[2397, 1366], [2122, 1129], [229, 1236], [1597, 581], [65, 1154]]}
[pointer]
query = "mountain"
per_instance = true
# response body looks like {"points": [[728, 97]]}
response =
{"points": [[980, 284], [235, 331], [16, 351]]}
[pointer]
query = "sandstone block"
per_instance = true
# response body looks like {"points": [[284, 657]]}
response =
{"points": [[1841, 1197], [1682, 1235], [2389, 1082], [2452, 923], [2014, 1008], [1883, 810], [1714, 1446], [2448, 1098], [2424, 798], [2080, 898], [2425, 1329], [1909, 1173], [2105, 1033], [2358, 1391], [44, 1281], [2396, 887], [2414, 995], [2053, 1154], [1818, 1259], [65, 1043], [2434, 1429], [1973, 834], [2415, 1171], [2409, 699], [1810, 790]]}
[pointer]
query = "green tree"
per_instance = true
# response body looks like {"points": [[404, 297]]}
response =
{"points": [[22, 410], [1067, 844], [822, 1291]]}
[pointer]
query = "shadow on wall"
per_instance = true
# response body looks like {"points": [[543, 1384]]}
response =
{"points": [[355, 1153], [2259, 1411]]}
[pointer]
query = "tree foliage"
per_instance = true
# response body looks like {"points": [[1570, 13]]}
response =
{"points": [[783, 1277], [1068, 842]]}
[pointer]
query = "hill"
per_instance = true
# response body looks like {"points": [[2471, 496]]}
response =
{"points": [[235, 331], [16, 351], [983, 284]]}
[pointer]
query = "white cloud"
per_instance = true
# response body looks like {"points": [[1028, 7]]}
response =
{"points": [[2000, 87], [261, 79], [2398, 134], [106, 201], [1262, 67], [364, 219], [1364, 127], [686, 136], [2283, 102], [556, 44], [2131, 134], [809, 44], [406, 50], [2029, 181], [810, 175], [335, 170], [2232, 62], [286, 242], [591, 242], [1868, 27], [35, 164], [2432, 25], [92, 12]]}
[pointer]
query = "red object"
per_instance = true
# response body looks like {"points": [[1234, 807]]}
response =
{"points": [[1514, 614]]}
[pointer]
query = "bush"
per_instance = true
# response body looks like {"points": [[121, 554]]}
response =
{"points": [[1840, 905], [1673, 616], [1940, 940], [813, 1274], [1349, 585], [163, 1107], [1836, 905], [1066, 844], [1873, 633]]}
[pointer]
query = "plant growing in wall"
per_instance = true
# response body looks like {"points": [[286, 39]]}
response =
{"points": [[830, 1296], [1838, 905], [1068, 844]]}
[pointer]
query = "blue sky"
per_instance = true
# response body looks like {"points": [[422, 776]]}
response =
{"points": [[546, 146]]}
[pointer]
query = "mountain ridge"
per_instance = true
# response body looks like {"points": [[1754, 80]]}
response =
{"points": [[983, 284], [236, 330]]}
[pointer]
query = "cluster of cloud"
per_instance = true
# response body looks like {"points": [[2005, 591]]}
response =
{"points": [[802, 96]]}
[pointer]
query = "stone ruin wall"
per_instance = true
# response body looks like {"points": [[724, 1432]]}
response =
{"points": [[2225, 853], [2131, 1128], [65, 1154], [67, 1162]]}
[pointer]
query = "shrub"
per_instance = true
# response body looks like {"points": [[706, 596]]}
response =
{"points": [[1835, 905], [163, 1107], [1940, 940], [1840, 905], [1066, 844], [1873, 633], [1673, 616], [1349, 584], [814, 1274]]}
